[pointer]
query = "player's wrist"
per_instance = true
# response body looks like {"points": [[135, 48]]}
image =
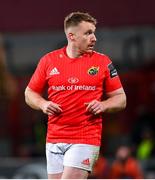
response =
{"points": [[41, 104], [105, 106]]}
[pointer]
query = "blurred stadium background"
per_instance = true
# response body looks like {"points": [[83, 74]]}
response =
{"points": [[28, 30]]}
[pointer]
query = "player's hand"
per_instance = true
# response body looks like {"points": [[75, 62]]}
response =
{"points": [[51, 108], [95, 107]]}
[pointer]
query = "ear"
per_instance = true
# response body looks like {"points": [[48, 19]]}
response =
{"points": [[71, 36]]}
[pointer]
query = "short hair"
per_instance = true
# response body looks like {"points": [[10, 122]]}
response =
{"points": [[74, 18]]}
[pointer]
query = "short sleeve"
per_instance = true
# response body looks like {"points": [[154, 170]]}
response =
{"points": [[38, 79], [112, 80]]}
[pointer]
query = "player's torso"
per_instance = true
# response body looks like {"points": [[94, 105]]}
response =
{"points": [[73, 83]]}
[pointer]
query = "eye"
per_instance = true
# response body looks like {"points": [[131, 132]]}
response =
{"points": [[89, 32]]}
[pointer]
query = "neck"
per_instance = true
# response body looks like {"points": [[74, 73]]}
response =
{"points": [[73, 52]]}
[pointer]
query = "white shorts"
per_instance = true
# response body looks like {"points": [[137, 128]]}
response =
{"points": [[81, 156]]}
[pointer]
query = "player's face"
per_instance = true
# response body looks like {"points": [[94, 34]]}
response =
{"points": [[84, 37]]}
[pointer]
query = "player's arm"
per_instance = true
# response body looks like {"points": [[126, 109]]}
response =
{"points": [[36, 101], [116, 101]]}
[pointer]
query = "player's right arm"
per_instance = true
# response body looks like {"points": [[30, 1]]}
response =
{"points": [[36, 101]]}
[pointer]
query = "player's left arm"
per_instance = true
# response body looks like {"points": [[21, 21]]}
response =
{"points": [[116, 101]]}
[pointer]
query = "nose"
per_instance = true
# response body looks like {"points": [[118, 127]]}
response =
{"points": [[94, 38]]}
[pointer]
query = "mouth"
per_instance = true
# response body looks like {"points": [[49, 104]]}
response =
{"points": [[91, 46]]}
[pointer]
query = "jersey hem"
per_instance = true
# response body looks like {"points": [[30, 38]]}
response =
{"points": [[73, 142]]}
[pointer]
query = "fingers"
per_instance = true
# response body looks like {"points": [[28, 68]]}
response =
{"points": [[54, 107], [95, 107], [51, 108], [91, 105]]}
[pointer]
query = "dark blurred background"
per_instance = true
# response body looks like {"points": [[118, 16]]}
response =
{"points": [[125, 32]]}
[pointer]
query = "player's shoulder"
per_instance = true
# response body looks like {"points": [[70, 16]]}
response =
{"points": [[52, 55], [103, 58]]}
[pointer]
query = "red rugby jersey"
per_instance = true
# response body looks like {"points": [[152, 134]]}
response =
{"points": [[72, 83]]}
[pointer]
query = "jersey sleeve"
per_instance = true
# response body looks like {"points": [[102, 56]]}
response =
{"points": [[112, 80], [38, 79]]}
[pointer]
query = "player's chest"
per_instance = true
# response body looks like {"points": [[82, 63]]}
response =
{"points": [[75, 73]]}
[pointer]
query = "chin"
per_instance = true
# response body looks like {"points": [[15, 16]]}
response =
{"points": [[90, 49]]}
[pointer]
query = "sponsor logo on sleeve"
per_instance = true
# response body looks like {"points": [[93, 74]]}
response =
{"points": [[112, 70]]}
